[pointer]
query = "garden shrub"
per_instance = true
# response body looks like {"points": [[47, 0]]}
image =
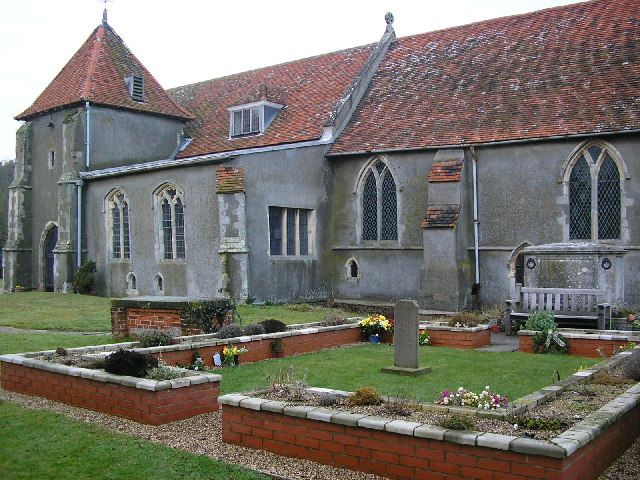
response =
{"points": [[329, 399], [273, 326], [164, 373], [333, 321], [208, 315], [541, 321], [399, 406], [631, 368], [458, 422], [540, 423], [254, 329], [128, 362], [466, 319], [277, 346], [84, 278], [540, 340], [364, 396], [149, 337], [230, 331]]}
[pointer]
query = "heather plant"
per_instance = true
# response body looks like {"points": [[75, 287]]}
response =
{"points": [[164, 373], [458, 422], [254, 329], [230, 331], [149, 337]]}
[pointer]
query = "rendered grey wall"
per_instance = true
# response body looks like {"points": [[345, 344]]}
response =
{"points": [[120, 137], [521, 199], [295, 178], [387, 271]]}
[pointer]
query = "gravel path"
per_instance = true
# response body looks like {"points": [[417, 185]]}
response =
{"points": [[62, 332], [199, 435]]}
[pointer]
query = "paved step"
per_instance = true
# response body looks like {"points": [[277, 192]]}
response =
{"points": [[501, 343]]}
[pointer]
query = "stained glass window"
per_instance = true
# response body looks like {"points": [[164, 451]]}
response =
{"points": [[594, 196], [291, 231], [172, 221], [115, 229], [275, 230], [304, 232], [179, 209], [126, 247], [608, 200], [370, 208], [389, 209], [167, 230]]}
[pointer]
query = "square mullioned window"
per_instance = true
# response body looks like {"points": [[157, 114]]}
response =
{"points": [[289, 231], [246, 121]]}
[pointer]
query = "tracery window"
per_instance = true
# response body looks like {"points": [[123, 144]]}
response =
{"points": [[595, 205], [379, 204], [118, 209], [171, 223]]}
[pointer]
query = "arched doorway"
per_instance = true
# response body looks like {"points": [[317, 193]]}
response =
{"points": [[50, 240], [516, 266]]}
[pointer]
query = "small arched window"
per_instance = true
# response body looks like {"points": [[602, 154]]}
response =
{"points": [[379, 203], [132, 284], [352, 268], [118, 211], [159, 284], [171, 222], [595, 196]]}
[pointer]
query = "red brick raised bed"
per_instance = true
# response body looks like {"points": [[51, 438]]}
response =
{"points": [[582, 344], [402, 450], [141, 400], [466, 338]]}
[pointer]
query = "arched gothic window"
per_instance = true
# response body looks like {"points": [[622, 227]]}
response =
{"points": [[171, 222], [379, 204], [118, 211], [595, 206]]}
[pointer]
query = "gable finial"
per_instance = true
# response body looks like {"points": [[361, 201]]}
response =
{"points": [[104, 12], [389, 19]]}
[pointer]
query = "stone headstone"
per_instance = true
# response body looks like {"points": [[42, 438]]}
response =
{"points": [[405, 340]]}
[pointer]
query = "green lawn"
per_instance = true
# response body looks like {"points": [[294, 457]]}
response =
{"points": [[34, 342], [44, 445], [292, 313], [55, 311], [514, 374]]}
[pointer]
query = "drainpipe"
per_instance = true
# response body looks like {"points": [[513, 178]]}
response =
{"points": [[79, 184], [476, 285], [87, 109]]}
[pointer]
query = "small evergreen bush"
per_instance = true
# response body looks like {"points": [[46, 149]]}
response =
{"points": [[84, 278], [230, 331], [277, 346], [541, 321], [254, 329], [128, 362], [207, 315], [273, 326]]}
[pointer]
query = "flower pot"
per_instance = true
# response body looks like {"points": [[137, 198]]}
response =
{"points": [[495, 328], [374, 338]]}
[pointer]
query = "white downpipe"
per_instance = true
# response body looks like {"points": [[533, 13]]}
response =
{"points": [[476, 221], [79, 184]]}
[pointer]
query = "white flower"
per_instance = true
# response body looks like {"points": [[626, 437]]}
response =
{"points": [[487, 388]]}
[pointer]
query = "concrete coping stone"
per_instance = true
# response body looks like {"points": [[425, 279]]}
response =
{"points": [[495, 440], [345, 418], [102, 376], [402, 426], [448, 328], [321, 414], [299, 411], [374, 422], [532, 446], [617, 335]]}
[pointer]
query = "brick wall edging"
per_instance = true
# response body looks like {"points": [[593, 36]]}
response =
{"points": [[582, 344]]}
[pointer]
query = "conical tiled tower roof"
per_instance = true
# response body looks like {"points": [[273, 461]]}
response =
{"points": [[96, 73]]}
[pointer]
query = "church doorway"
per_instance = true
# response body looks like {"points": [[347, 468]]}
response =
{"points": [[50, 241], [516, 267]]}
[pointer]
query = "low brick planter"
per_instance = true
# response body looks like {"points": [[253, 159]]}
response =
{"points": [[141, 400], [466, 338], [585, 343], [401, 449]]}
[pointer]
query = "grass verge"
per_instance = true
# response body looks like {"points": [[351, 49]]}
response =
{"points": [[289, 313], [45, 445], [33, 342], [514, 374]]}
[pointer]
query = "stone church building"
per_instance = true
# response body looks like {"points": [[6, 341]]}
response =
{"points": [[416, 167]]}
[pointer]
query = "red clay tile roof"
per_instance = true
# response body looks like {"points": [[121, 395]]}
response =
{"points": [[441, 216], [308, 88], [96, 73], [229, 179], [561, 71], [445, 171]]}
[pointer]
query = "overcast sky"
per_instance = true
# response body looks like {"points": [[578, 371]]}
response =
{"points": [[192, 40]]}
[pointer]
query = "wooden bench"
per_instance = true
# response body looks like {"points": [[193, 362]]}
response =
{"points": [[564, 303]]}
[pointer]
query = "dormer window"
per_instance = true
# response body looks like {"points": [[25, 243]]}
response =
{"points": [[135, 84], [251, 119]]}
